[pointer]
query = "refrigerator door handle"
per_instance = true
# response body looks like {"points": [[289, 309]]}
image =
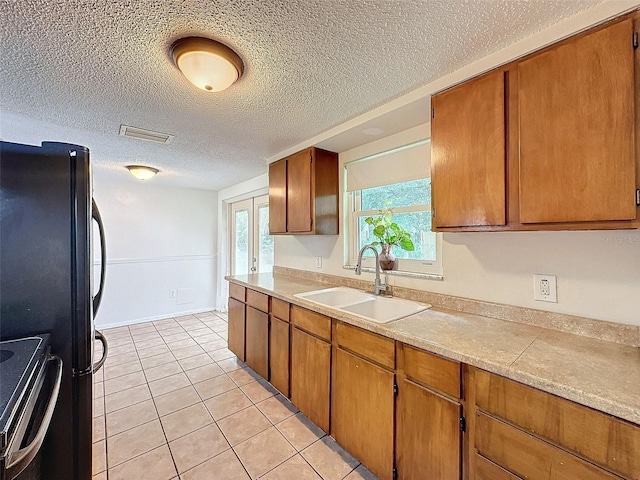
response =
{"points": [[95, 214], [105, 350], [20, 459]]}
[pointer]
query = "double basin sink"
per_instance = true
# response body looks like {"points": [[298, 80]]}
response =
{"points": [[378, 309]]}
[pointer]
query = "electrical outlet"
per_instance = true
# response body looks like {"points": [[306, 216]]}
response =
{"points": [[172, 294], [318, 262], [545, 288]]}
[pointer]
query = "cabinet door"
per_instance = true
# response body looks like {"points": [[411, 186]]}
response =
{"points": [[236, 327], [576, 104], [310, 377], [257, 342], [299, 195], [468, 153], [278, 197], [362, 411], [428, 435], [279, 355]]}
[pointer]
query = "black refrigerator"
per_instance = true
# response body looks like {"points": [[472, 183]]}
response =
{"points": [[46, 213]]}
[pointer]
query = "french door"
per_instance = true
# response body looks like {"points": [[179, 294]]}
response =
{"points": [[251, 246]]}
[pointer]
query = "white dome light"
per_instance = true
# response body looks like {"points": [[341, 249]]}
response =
{"points": [[209, 65]]}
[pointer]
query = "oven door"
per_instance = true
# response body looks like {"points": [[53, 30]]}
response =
{"points": [[21, 459]]}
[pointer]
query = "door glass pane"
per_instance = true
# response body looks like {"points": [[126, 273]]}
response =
{"points": [[241, 247], [265, 241]]}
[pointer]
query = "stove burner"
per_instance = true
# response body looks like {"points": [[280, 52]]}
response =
{"points": [[5, 354]]}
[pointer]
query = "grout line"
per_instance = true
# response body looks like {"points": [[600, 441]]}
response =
{"points": [[135, 349], [164, 433], [154, 404], [526, 348]]}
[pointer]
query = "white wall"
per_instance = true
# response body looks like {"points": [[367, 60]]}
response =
{"points": [[159, 239], [598, 271]]}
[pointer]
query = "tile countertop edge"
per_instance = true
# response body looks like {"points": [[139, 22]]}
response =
{"points": [[565, 390]]}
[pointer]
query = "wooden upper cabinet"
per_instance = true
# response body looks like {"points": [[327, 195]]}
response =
{"points": [[576, 108], [278, 197], [299, 188], [546, 142], [468, 153], [303, 193]]}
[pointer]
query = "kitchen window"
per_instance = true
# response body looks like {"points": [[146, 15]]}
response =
{"points": [[396, 179]]}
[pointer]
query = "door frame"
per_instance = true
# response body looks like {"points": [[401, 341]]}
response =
{"points": [[251, 205]]}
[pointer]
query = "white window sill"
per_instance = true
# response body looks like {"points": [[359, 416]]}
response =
{"points": [[399, 273]]}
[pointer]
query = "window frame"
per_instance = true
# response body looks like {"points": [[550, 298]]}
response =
{"points": [[405, 267]]}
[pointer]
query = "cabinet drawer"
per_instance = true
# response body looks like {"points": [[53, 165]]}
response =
{"points": [[430, 370], [370, 345], [312, 322], [237, 291], [600, 438], [487, 470], [280, 309], [257, 300], [528, 456]]}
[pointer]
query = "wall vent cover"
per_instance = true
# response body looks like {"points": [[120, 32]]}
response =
{"points": [[142, 134]]}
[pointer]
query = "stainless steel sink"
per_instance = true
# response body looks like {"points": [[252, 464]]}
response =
{"points": [[366, 305]]}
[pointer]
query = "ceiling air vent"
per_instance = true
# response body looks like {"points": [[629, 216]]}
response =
{"points": [[142, 134]]}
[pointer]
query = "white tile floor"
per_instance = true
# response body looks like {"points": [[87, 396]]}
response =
{"points": [[172, 402]]}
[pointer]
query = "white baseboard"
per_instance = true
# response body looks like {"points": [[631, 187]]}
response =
{"points": [[151, 319]]}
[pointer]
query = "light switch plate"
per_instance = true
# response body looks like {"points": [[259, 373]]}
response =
{"points": [[545, 288]]}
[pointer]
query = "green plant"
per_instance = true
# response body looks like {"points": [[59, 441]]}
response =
{"points": [[389, 232]]}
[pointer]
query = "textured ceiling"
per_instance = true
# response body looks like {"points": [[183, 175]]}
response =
{"points": [[74, 70]]}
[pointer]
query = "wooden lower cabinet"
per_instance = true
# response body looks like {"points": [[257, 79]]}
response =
{"points": [[530, 432], [529, 457], [487, 470], [279, 355], [514, 432], [311, 376], [236, 333], [362, 411], [428, 435], [257, 341]]}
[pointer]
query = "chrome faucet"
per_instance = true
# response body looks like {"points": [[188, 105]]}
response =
{"points": [[379, 287]]}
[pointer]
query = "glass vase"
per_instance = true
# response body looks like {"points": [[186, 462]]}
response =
{"points": [[386, 258]]}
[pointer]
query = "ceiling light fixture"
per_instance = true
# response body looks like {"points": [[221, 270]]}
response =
{"points": [[209, 65], [141, 172]]}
